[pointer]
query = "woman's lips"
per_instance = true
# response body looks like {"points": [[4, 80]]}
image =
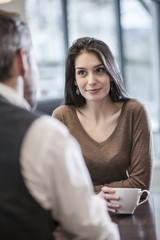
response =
{"points": [[93, 91]]}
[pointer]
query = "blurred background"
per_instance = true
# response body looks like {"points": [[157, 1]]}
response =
{"points": [[131, 28]]}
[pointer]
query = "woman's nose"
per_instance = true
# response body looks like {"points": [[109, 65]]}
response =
{"points": [[91, 79]]}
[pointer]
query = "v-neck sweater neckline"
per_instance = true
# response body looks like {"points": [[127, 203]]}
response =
{"points": [[99, 144]]}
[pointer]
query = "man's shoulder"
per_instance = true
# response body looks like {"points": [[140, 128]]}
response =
{"points": [[50, 135], [49, 125]]}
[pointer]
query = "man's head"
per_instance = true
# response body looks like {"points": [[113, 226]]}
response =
{"points": [[17, 63]]}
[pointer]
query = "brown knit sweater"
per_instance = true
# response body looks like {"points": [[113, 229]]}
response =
{"points": [[125, 158]]}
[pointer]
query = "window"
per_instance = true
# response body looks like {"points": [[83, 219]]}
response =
{"points": [[138, 37], [94, 19], [47, 34]]}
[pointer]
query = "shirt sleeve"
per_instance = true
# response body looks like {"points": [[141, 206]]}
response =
{"points": [[141, 160], [141, 155], [55, 174]]}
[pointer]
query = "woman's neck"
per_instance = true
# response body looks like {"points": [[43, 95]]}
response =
{"points": [[98, 111]]}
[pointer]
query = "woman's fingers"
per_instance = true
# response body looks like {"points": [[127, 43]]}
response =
{"points": [[112, 210], [112, 207], [108, 195], [107, 189]]}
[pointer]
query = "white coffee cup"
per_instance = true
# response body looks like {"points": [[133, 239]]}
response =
{"points": [[129, 199]]}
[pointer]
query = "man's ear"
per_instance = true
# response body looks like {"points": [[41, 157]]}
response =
{"points": [[23, 63]]}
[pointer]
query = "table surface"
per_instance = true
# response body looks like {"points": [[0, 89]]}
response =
{"points": [[143, 224]]}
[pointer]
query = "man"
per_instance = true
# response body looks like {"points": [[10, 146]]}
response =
{"points": [[43, 178]]}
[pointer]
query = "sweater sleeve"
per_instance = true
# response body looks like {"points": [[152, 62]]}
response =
{"points": [[57, 114], [141, 155]]}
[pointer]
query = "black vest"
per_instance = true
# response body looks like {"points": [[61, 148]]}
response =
{"points": [[21, 217]]}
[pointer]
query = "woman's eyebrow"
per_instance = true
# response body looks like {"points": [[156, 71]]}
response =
{"points": [[101, 64], [80, 68]]}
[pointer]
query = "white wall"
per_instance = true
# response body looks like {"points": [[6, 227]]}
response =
{"points": [[15, 6]]}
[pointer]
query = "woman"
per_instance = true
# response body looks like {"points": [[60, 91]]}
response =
{"points": [[112, 129]]}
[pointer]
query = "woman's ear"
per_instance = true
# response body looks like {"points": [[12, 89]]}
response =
{"points": [[75, 83]]}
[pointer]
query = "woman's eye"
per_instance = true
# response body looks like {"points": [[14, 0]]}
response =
{"points": [[100, 70], [81, 73]]}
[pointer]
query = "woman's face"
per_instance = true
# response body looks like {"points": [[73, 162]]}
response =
{"points": [[91, 77]]}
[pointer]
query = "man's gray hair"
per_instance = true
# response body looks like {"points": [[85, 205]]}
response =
{"points": [[14, 36]]}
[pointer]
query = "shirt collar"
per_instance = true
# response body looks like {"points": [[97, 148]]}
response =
{"points": [[11, 95]]}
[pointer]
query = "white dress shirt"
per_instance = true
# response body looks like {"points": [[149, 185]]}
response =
{"points": [[56, 176]]}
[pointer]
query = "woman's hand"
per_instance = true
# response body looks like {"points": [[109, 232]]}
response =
{"points": [[107, 194]]}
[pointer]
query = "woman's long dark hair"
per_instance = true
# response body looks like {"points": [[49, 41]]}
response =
{"points": [[117, 92]]}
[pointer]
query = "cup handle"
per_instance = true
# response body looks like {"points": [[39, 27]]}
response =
{"points": [[148, 194]]}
